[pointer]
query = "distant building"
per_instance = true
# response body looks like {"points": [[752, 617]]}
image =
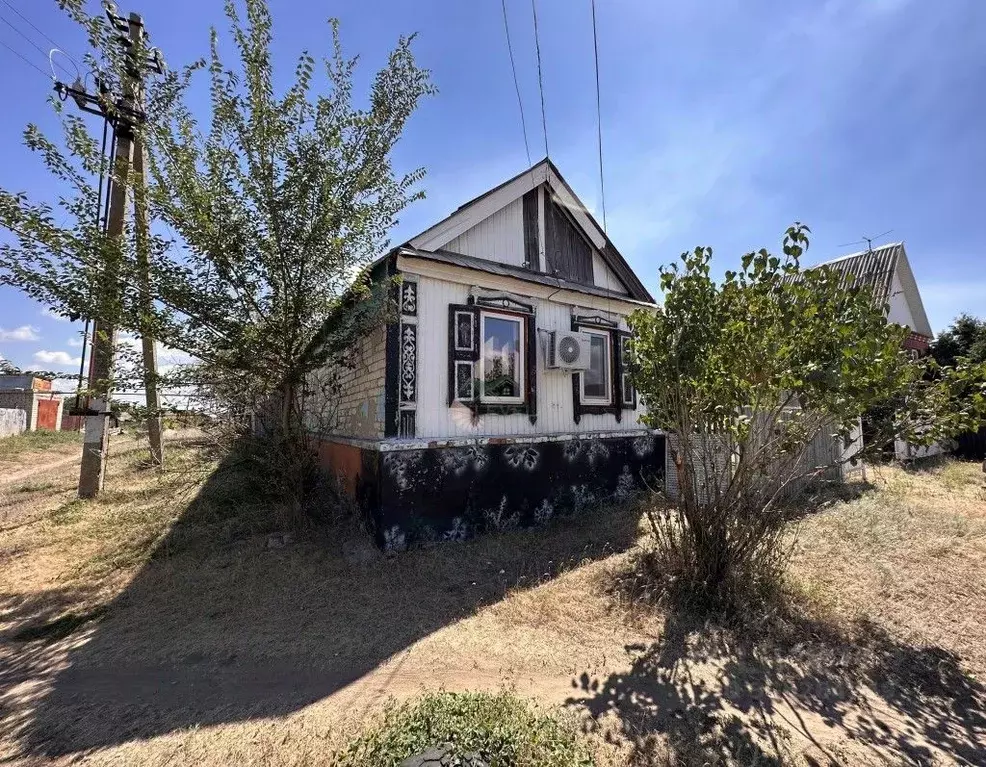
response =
{"points": [[33, 395]]}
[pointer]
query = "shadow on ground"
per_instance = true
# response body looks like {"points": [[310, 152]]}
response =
{"points": [[220, 627], [705, 695]]}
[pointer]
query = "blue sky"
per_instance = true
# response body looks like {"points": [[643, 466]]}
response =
{"points": [[724, 121]]}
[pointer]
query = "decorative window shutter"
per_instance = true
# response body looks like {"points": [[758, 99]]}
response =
{"points": [[463, 347], [628, 393]]}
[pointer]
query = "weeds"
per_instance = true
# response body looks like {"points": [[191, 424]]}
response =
{"points": [[502, 729]]}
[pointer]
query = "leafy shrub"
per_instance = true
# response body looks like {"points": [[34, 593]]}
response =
{"points": [[503, 729]]}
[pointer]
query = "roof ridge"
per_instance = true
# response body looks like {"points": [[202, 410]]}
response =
{"points": [[860, 253]]}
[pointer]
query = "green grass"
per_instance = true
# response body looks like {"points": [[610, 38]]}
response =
{"points": [[36, 441], [503, 729]]}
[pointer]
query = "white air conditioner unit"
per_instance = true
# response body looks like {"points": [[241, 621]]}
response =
{"points": [[568, 350]]}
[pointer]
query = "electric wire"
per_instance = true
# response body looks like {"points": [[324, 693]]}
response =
{"points": [[599, 118], [537, 47], [39, 31], [26, 60], [513, 69]]}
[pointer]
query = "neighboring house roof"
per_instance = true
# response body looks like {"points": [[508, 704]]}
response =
{"points": [[876, 269], [435, 238]]}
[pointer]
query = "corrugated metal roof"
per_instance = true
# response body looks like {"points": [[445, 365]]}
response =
{"points": [[873, 268]]}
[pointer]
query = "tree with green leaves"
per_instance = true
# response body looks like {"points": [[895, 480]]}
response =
{"points": [[965, 338], [746, 376], [266, 213]]}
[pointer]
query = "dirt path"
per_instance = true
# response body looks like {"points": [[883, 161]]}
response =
{"points": [[17, 476]]}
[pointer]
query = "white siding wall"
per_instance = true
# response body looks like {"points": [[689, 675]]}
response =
{"points": [[435, 419], [498, 238], [900, 312], [603, 276]]}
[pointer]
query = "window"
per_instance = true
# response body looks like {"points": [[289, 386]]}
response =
{"points": [[490, 358], [596, 380], [501, 361]]}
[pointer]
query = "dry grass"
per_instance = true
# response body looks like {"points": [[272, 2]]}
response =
{"points": [[29, 446], [156, 627]]}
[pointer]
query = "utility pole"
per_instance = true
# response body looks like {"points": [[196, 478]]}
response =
{"points": [[124, 115], [147, 342]]}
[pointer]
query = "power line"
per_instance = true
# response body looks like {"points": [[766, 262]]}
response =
{"points": [[37, 47], [46, 75], [599, 118], [537, 46], [38, 30], [513, 68]]}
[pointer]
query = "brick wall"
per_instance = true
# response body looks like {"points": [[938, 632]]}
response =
{"points": [[348, 401], [25, 400]]}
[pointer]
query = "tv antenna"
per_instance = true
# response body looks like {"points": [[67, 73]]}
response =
{"points": [[867, 240]]}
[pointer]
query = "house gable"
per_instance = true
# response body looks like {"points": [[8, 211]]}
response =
{"points": [[536, 222], [887, 271]]}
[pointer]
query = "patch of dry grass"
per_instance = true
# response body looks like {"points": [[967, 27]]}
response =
{"points": [[165, 631], [910, 554]]}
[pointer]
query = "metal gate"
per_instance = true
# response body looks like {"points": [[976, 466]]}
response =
{"points": [[48, 414]]}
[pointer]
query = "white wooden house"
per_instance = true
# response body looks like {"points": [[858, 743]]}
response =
{"points": [[499, 397], [887, 271]]}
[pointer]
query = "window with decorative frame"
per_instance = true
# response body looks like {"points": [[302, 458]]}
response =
{"points": [[492, 363], [605, 387]]}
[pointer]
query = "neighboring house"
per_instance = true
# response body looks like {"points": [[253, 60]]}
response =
{"points": [[500, 397], [888, 272], [42, 407]]}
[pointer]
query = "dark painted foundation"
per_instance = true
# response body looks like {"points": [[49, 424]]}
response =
{"points": [[453, 493]]}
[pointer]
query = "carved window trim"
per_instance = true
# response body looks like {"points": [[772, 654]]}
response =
{"points": [[469, 345], [409, 298]]}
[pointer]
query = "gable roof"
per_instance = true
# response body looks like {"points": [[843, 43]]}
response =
{"points": [[876, 268], [467, 215]]}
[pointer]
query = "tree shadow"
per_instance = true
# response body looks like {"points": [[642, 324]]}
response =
{"points": [[704, 694], [220, 626]]}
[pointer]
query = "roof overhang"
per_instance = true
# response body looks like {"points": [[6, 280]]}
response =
{"points": [[495, 275]]}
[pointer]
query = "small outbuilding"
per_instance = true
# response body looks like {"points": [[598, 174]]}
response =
{"points": [[33, 395]]}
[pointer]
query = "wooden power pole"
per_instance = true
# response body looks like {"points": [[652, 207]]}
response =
{"points": [[128, 162]]}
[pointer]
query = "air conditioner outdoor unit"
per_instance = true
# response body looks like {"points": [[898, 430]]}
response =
{"points": [[568, 350]]}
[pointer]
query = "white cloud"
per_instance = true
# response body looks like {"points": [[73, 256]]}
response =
{"points": [[75, 342], [50, 314], [59, 358], [23, 333]]}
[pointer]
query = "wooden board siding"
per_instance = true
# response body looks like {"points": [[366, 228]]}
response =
{"points": [[568, 253], [497, 238], [435, 419], [531, 244], [604, 277]]}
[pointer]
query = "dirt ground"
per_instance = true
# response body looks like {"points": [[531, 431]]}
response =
{"points": [[162, 624]]}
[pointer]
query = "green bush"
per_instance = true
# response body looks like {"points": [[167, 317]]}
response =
{"points": [[504, 729]]}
